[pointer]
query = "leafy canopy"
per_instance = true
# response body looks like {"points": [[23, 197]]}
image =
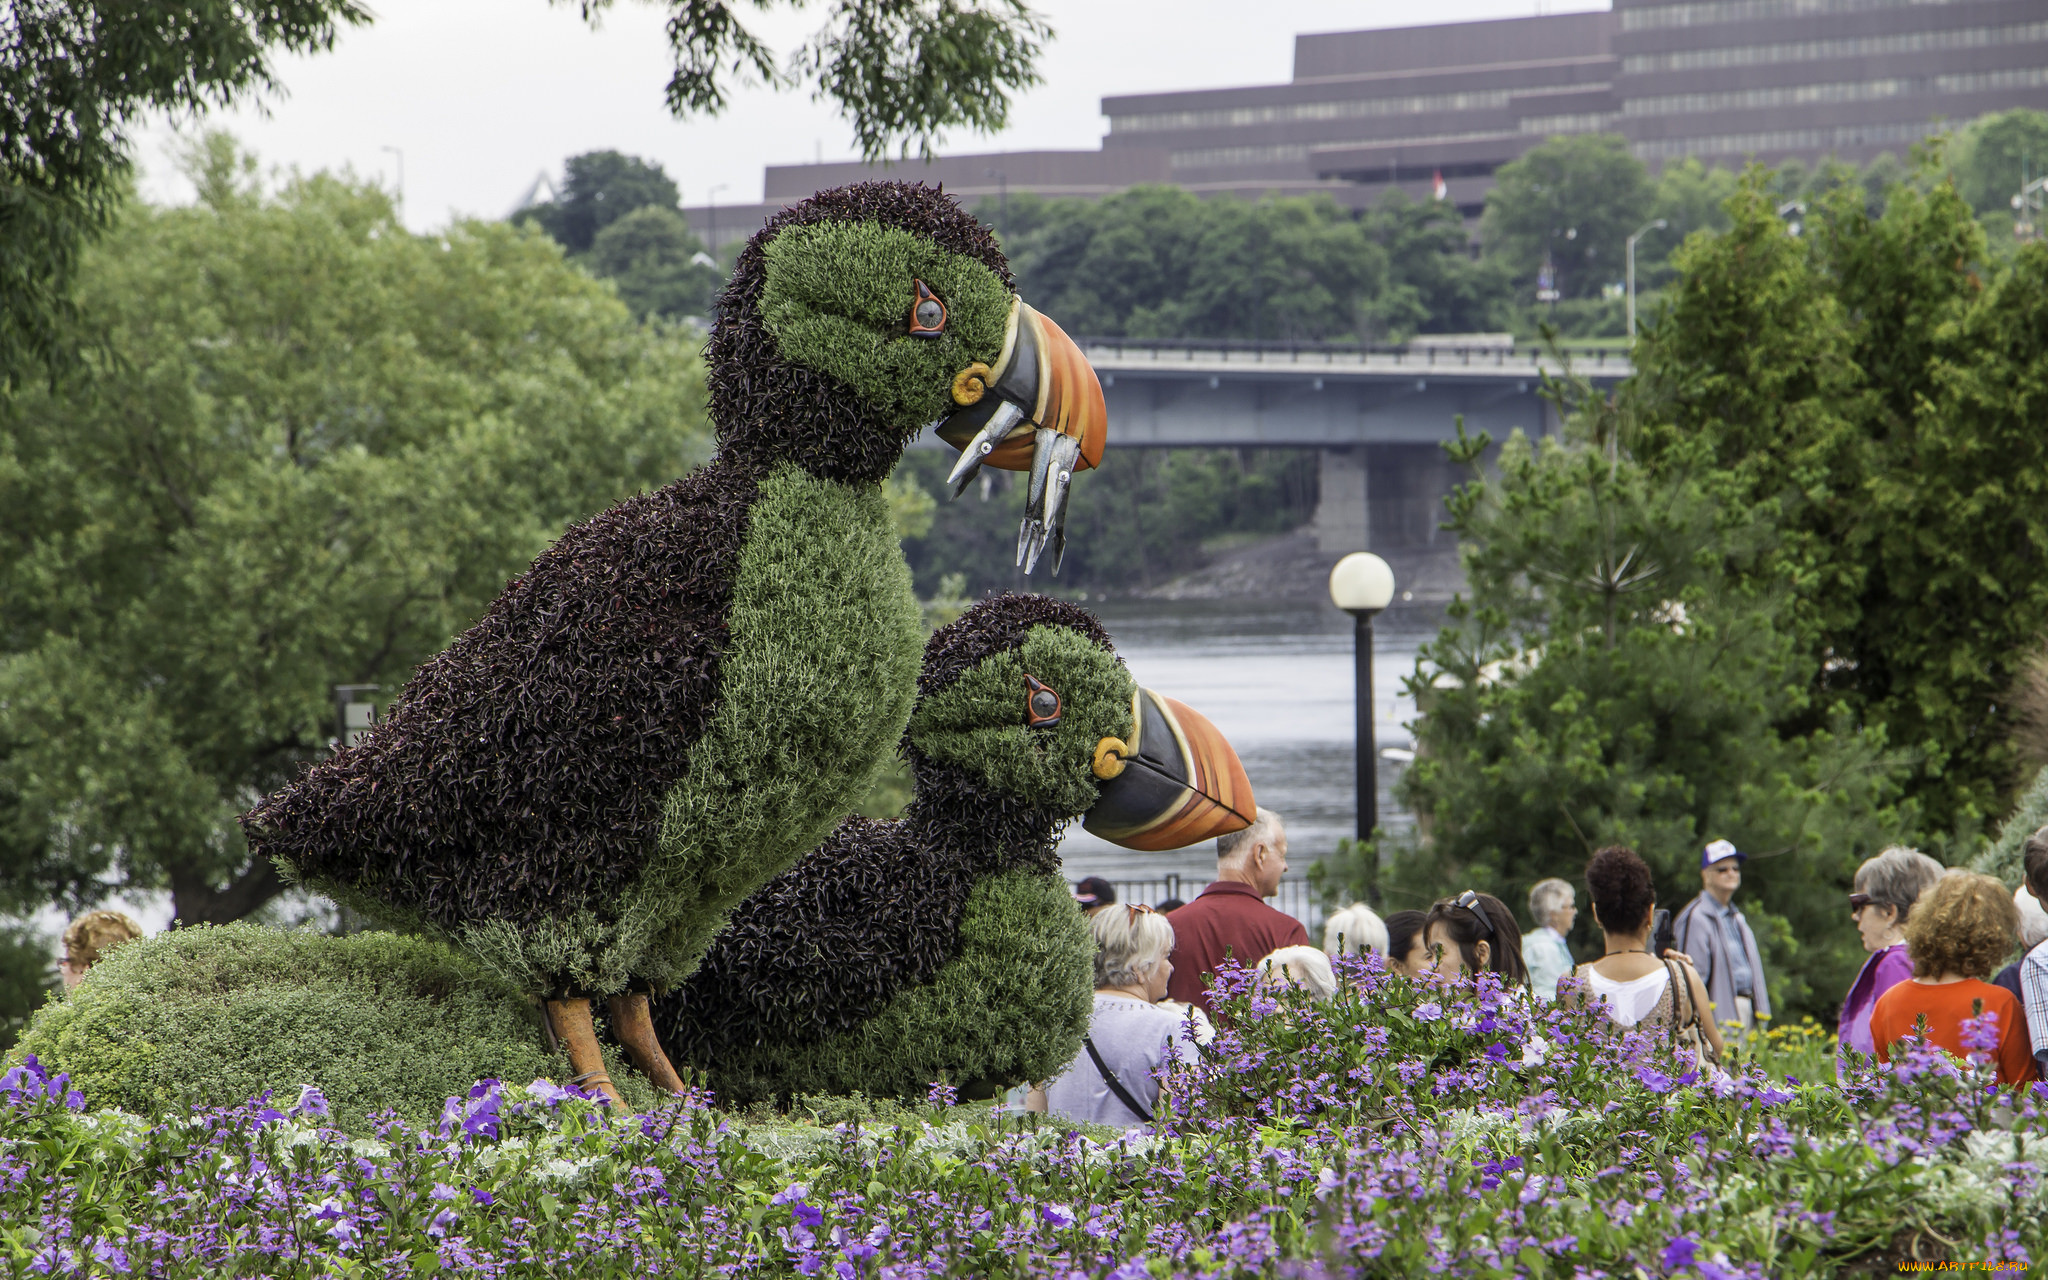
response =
{"points": [[75, 78], [1614, 677], [1573, 201], [311, 448], [1873, 385]]}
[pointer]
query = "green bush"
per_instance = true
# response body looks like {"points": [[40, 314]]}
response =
{"points": [[210, 1016], [26, 975]]}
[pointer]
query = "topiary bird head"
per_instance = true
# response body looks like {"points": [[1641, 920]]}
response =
{"points": [[1025, 696], [865, 313]]}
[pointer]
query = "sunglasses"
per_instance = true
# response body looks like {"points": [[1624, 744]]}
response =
{"points": [[1137, 909], [1858, 901], [1469, 900]]}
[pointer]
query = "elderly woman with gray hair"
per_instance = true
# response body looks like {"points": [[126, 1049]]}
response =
{"points": [[1129, 1035], [1886, 888]]}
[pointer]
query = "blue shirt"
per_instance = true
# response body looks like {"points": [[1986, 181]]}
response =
{"points": [[1730, 920]]}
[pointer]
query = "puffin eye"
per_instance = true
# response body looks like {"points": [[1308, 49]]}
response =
{"points": [[1041, 703], [927, 314]]}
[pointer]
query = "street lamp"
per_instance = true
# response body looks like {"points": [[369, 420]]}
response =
{"points": [[711, 214], [1641, 231], [1361, 585]]}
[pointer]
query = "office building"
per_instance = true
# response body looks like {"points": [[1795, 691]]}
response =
{"points": [[1414, 107]]}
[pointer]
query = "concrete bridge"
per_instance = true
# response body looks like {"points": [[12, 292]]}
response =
{"points": [[1377, 415]]}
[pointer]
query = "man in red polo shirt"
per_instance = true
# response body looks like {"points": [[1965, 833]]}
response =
{"points": [[1231, 917]]}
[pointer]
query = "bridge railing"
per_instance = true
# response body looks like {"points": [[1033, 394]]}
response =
{"points": [[1605, 359], [1296, 897]]}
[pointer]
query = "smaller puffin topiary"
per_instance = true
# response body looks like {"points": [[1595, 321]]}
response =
{"points": [[943, 945], [215, 1015]]}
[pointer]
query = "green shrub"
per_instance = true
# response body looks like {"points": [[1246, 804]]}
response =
{"points": [[26, 975], [210, 1016], [2002, 856]]}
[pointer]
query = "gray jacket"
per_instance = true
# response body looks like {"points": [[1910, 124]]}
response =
{"points": [[1700, 935]]}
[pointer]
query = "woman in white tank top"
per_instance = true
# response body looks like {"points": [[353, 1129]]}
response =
{"points": [[1636, 986]]}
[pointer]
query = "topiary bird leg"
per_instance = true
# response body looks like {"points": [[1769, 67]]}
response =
{"points": [[571, 1021], [634, 1026]]}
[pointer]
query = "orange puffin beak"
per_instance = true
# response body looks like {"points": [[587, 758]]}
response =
{"points": [[1040, 409], [1174, 782]]}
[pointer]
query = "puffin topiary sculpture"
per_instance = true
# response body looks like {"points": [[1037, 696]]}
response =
{"points": [[944, 945], [686, 692]]}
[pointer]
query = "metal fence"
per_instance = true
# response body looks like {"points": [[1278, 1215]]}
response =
{"points": [[1295, 898]]}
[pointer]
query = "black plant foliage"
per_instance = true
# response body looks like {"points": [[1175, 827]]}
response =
{"points": [[771, 411], [876, 909], [520, 774]]}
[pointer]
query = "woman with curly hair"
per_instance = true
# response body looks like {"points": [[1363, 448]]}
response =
{"points": [[1958, 933], [1637, 987]]}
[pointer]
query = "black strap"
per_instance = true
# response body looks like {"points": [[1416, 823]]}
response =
{"points": [[1116, 1086]]}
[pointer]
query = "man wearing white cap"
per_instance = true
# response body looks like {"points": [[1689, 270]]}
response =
{"points": [[1712, 930]]}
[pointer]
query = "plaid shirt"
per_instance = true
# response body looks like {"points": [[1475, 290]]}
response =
{"points": [[2034, 991]]}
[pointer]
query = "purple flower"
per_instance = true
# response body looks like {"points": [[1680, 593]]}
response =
{"points": [[941, 1095], [442, 1192], [1653, 1080], [1679, 1253], [1057, 1215], [482, 1197], [549, 1092], [1428, 1011], [311, 1102], [110, 1255]]}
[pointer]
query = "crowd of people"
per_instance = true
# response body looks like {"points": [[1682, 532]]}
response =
{"points": [[1936, 939]]}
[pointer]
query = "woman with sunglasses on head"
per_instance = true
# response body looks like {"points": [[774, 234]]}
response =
{"points": [[1474, 932], [1129, 1034], [1886, 887]]}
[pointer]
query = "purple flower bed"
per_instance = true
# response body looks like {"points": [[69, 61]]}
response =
{"points": [[1395, 1130]]}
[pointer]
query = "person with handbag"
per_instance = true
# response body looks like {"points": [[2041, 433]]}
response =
{"points": [[1637, 987], [1112, 1080]]}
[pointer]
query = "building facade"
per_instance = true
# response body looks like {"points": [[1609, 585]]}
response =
{"points": [[1408, 108]]}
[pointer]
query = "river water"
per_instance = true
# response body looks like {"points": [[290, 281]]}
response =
{"points": [[1276, 678]]}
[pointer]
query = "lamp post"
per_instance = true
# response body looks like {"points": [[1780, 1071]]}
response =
{"points": [[711, 214], [1361, 585], [1641, 231]]}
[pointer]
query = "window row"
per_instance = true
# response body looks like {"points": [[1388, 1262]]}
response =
{"points": [[1846, 47], [1727, 144], [1705, 13], [1232, 117], [1864, 91]]}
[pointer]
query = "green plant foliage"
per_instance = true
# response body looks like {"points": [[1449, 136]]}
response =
{"points": [[1434, 284], [598, 189], [2004, 854], [651, 256], [209, 1016], [28, 973], [1159, 262], [1573, 200], [1026, 964], [76, 79], [838, 297], [972, 723], [1616, 677], [1998, 153], [311, 448], [823, 623], [1868, 386]]}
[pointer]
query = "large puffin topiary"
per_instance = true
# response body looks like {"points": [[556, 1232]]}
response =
{"points": [[687, 691], [944, 945]]}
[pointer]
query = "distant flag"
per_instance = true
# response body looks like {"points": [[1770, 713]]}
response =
{"points": [[1439, 189]]}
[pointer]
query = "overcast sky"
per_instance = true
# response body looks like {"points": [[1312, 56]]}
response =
{"points": [[482, 95]]}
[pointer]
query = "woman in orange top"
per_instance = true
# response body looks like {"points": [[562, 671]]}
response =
{"points": [[1958, 933]]}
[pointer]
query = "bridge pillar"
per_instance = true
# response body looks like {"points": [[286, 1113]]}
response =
{"points": [[1342, 522]]}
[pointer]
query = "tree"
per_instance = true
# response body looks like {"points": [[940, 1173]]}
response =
{"points": [[1434, 283], [1996, 154], [1869, 386], [657, 263], [306, 449], [1615, 678], [1571, 201], [598, 188], [1159, 262], [74, 79]]}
